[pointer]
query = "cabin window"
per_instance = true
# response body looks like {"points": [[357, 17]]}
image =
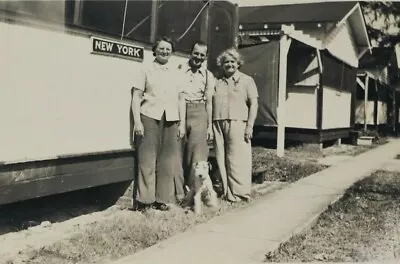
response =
{"points": [[185, 21], [337, 74], [302, 69], [108, 17], [182, 20], [102, 16]]}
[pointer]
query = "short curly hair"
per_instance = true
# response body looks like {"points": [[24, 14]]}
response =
{"points": [[166, 39], [232, 52]]}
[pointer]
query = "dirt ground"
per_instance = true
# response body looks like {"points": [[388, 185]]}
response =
{"points": [[115, 232], [362, 226]]}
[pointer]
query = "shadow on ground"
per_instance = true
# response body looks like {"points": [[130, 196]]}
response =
{"points": [[60, 207]]}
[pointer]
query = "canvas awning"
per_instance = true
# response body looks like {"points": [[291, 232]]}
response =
{"points": [[375, 74], [262, 63]]}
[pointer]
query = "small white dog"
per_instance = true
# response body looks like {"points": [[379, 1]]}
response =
{"points": [[203, 191]]}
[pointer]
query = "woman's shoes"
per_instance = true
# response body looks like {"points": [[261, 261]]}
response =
{"points": [[246, 199]]}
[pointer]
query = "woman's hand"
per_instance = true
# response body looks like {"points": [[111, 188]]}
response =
{"points": [[138, 129], [210, 133], [181, 130], [248, 133]]}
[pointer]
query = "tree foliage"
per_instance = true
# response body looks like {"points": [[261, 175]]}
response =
{"points": [[383, 22]]}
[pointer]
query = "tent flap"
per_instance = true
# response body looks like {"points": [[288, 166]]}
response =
{"points": [[262, 63]]}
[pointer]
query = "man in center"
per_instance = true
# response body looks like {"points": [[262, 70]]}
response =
{"points": [[198, 84]]}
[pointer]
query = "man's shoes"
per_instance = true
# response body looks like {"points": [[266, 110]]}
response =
{"points": [[160, 206], [140, 207]]}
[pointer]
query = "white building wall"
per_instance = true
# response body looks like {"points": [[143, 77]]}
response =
{"points": [[57, 98], [336, 109], [301, 111]]}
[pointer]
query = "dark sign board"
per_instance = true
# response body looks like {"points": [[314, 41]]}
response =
{"points": [[114, 48]]}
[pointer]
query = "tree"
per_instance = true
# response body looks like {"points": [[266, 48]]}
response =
{"points": [[383, 22]]}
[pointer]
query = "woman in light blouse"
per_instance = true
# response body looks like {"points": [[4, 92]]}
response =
{"points": [[159, 111], [235, 105]]}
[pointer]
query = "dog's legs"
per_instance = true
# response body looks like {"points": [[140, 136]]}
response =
{"points": [[213, 199], [197, 203]]}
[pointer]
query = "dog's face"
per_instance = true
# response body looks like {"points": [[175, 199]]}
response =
{"points": [[201, 170]]}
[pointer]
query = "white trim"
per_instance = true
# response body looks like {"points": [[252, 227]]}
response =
{"points": [[364, 26], [66, 156], [360, 83], [300, 36], [365, 102], [320, 66], [363, 52], [368, 73], [284, 45]]}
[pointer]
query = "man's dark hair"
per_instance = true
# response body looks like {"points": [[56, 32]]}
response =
{"points": [[166, 39], [200, 43]]}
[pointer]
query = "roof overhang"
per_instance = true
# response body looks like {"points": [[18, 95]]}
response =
{"points": [[304, 38], [364, 73], [290, 31], [352, 22], [355, 18], [375, 74]]}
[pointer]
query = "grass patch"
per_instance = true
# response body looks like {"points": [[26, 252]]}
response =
{"points": [[286, 169], [362, 226], [129, 232], [126, 233]]}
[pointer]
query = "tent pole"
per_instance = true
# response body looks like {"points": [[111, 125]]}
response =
{"points": [[394, 111], [153, 25], [365, 102], [284, 45]]}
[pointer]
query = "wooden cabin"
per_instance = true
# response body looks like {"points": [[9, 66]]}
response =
{"points": [[309, 53], [68, 68], [376, 95]]}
